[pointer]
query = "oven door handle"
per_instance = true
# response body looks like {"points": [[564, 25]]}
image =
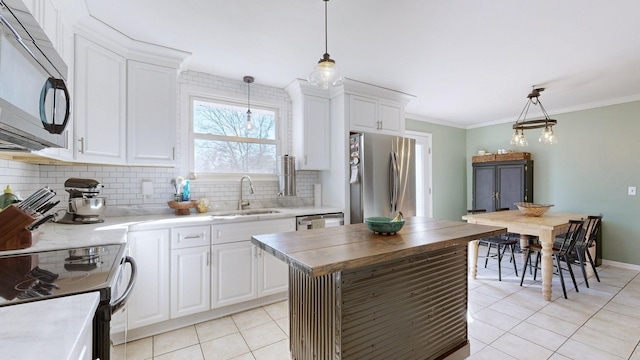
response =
{"points": [[119, 303]]}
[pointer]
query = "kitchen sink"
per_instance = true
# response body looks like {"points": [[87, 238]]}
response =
{"points": [[234, 213]]}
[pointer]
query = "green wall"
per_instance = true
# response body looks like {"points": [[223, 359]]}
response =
{"points": [[597, 157], [448, 168]]}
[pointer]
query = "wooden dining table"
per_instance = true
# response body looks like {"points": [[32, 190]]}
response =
{"points": [[546, 227]]}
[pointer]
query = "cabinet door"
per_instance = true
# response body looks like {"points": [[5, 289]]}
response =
{"points": [[100, 98], [233, 273], [510, 185], [317, 126], [391, 116], [273, 274], [484, 187], [190, 281], [149, 300], [151, 114], [363, 113]]}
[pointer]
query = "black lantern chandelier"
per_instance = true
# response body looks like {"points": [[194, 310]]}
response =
{"points": [[547, 136]]}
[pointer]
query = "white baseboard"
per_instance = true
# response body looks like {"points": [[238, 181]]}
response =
{"points": [[621, 265]]}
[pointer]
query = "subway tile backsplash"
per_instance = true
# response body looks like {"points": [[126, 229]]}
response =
{"points": [[123, 187]]}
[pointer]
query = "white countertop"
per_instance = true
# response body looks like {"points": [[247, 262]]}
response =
{"points": [[50, 329], [54, 236]]}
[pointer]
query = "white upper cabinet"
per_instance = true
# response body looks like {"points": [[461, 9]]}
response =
{"points": [[378, 115], [363, 113], [151, 114], [311, 126], [125, 108], [100, 104], [375, 109]]}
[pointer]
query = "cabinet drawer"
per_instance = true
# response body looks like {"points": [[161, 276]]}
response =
{"points": [[190, 236], [226, 233]]}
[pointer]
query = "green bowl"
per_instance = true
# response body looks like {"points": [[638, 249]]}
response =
{"points": [[383, 225]]}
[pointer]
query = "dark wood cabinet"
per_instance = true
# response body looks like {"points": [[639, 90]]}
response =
{"points": [[500, 184]]}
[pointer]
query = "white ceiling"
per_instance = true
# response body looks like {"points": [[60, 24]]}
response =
{"points": [[468, 62]]}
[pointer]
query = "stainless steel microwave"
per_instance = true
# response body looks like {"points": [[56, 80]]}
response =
{"points": [[34, 101]]}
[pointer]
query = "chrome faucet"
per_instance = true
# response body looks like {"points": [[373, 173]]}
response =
{"points": [[245, 203]]}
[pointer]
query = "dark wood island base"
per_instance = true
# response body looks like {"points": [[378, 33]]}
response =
{"points": [[412, 305]]}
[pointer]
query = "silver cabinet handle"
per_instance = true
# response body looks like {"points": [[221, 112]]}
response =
{"points": [[81, 150]]}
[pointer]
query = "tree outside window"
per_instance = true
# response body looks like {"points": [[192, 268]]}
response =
{"points": [[222, 143]]}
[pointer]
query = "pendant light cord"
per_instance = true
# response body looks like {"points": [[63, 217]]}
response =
{"points": [[326, 37]]}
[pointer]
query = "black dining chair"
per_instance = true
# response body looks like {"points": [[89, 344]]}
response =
{"points": [[501, 243], [561, 251], [585, 243]]}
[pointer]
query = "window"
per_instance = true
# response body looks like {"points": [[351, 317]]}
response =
{"points": [[222, 143]]}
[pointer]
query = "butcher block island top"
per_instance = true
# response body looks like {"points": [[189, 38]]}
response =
{"points": [[323, 251]]}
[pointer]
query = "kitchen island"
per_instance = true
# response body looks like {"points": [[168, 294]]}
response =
{"points": [[354, 294]]}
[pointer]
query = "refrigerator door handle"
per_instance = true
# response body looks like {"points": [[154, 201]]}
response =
{"points": [[393, 182]]}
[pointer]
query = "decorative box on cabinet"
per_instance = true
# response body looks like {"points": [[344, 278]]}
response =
{"points": [[500, 184]]}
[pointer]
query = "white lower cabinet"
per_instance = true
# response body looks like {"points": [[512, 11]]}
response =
{"points": [[241, 271], [149, 300], [234, 273], [274, 274], [192, 269], [190, 279]]}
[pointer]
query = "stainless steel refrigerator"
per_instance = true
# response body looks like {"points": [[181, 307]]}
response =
{"points": [[382, 176]]}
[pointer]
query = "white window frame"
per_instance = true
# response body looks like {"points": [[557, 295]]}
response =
{"points": [[190, 93]]}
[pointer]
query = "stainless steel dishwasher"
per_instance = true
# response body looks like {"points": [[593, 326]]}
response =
{"points": [[309, 222]]}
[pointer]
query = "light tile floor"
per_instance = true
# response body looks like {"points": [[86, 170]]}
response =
{"points": [[506, 321]]}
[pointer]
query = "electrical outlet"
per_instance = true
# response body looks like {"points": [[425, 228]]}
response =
{"points": [[147, 191], [631, 191]]}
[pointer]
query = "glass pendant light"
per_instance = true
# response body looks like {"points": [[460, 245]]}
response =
{"points": [[518, 138], [548, 136], [248, 80], [326, 74]]}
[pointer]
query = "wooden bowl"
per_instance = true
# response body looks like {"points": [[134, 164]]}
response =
{"points": [[531, 209], [182, 207]]}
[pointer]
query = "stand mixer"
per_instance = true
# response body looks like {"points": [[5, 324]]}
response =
{"points": [[85, 206]]}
